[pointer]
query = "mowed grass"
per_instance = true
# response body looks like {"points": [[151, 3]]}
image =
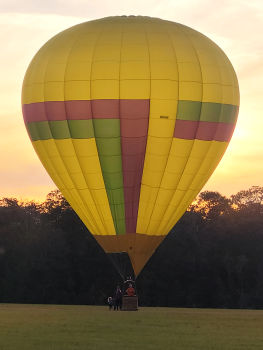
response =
{"points": [[52, 327]]}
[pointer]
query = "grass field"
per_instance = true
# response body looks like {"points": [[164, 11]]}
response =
{"points": [[52, 327]]}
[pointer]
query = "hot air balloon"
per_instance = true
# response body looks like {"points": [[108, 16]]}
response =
{"points": [[130, 116]]}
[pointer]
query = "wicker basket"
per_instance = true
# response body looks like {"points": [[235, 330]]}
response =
{"points": [[130, 303]]}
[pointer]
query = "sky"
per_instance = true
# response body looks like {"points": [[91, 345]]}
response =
{"points": [[235, 25]]}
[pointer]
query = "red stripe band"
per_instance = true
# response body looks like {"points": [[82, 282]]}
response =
{"points": [[83, 110], [206, 131], [134, 120]]}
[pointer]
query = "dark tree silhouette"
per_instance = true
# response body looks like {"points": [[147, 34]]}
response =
{"points": [[213, 257]]}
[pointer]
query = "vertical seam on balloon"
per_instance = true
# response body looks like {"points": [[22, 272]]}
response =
{"points": [[79, 193], [51, 130], [219, 114], [120, 140], [94, 127], [179, 213], [175, 123], [197, 127], [175, 119], [112, 206], [147, 126], [142, 247], [217, 123], [48, 122], [174, 126], [201, 77], [147, 129], [94, 131], [120, 132], [120, 129], [202, 103]]}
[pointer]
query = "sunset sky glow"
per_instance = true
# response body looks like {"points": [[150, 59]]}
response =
{"points": [[234, 25]]}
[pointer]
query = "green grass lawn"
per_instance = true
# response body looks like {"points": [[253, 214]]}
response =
{"points": [[51, 327]]}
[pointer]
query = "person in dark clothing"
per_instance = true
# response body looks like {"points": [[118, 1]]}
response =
{"points": [[118, 299]]}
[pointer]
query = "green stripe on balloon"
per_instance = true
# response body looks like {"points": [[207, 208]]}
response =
{"points": [[107, 135], [60, 130], [207, 111], [39, 131], [189, 110], [81, 129], [228, 114], [32, 131], [210, 112]]}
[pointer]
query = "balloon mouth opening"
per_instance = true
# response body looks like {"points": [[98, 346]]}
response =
{"points": [[133, 250], [129, 263], [122, 264]]}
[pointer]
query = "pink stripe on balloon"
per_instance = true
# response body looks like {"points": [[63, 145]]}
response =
{"points": [[105, 109], [224, 132], [206, 131], [134, 120], [134, 109], [78, 110], [185, 129], [56, 110], [133, 146], [34, 112]]}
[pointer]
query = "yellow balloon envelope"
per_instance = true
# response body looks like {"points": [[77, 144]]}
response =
{"points": [[130, 116]]}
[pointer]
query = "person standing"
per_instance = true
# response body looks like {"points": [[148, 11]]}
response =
{"points": [[118, 299], [130, 291]]}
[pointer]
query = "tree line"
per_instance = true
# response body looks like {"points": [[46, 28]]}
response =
{"points": [[213, 257]]}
